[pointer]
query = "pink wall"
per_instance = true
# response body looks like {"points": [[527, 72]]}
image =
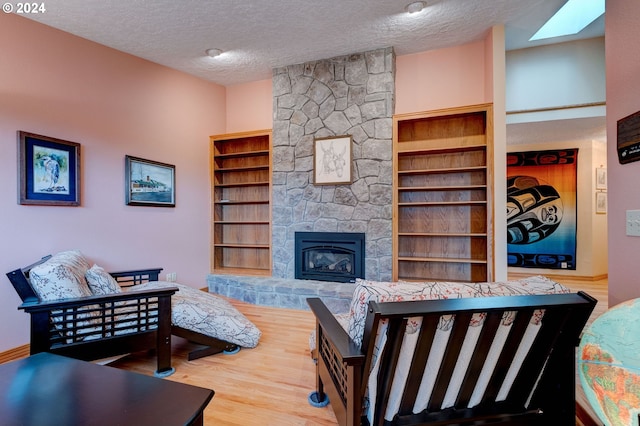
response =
{"points": [[441, 78], [249, 106], [435, 79], [113, 104], [623, 98]]}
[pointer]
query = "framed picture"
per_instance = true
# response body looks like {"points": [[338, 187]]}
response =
{"points": [[601, 178], [601, 202], [49, 170], [149, 183], [332, 160]]}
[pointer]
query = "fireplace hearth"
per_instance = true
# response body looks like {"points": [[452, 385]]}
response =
{"points": [[329, 256]]}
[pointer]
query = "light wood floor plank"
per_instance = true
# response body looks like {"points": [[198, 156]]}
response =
{"points": [[267, 385]]}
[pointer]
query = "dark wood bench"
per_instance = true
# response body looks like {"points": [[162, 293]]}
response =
{"points": [[96, 327], [543, 391]]}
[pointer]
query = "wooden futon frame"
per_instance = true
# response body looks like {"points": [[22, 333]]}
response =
{"points": [[61, 326], [96, 327], [543, 392]]}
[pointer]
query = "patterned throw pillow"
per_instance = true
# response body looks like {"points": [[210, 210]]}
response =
{"points": [[101, 282], [61, 277]]}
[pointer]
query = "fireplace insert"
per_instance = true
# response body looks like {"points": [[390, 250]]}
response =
{"points": [[329, 256]]}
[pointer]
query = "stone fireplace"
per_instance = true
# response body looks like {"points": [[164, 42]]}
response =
{"points": [[347, 95], [350, 95], [329, 256]]}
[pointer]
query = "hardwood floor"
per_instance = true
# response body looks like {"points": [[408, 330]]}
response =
{"points": [[269, 385]]}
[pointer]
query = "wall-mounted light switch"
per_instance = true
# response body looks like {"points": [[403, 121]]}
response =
{"points": [[633, 223]]}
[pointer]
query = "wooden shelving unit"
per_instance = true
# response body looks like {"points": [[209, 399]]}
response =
{"points": [[241, 203], [442, 195]]}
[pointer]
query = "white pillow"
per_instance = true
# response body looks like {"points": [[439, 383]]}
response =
{"points": [[61, 277], [101, 282]]}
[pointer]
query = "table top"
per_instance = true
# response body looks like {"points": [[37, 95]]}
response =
{"points": [[47, 389], [609, 364]]}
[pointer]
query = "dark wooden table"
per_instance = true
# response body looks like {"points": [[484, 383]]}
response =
{"points": [[47, 389]]}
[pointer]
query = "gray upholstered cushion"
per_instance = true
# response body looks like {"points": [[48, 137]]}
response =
{"points": [[208, 314]]}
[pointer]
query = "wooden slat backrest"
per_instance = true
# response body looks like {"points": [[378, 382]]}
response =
{"points": [[419, 362], [450, 358], [21, 283], [489, 330], [506, 355], [564, 317], [394, 345]]}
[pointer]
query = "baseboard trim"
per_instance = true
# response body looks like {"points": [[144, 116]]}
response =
{"points": [[15, 353]]}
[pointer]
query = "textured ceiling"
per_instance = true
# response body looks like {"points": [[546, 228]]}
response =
{"points": [[259, 35]]}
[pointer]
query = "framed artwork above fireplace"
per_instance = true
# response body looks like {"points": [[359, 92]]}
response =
{"points": [[332, 160]]}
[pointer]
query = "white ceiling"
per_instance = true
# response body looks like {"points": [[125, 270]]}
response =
{"points": [[259, 35], [569, 130]]}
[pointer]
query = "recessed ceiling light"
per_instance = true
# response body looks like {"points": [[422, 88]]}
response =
{"points": [[214, 52], [571, 18], [415, 7]]}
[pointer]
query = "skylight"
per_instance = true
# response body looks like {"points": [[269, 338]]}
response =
{"points": [[572, 18]]}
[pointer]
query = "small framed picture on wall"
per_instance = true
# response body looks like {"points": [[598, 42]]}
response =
{"points": [[49, 170], [149, 183], [601, 178], [601, 202]]}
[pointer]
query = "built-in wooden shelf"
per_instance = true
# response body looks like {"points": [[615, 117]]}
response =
{"points": [[243, 154], [260, 246], [240, 169], [231, 202], [241, 213], [440, 234], [443, 180], [229, 185], [441, 259], [240, 222], [440, 203]]}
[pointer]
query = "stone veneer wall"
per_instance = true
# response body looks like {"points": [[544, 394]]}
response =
{"points": [[347, 95]]}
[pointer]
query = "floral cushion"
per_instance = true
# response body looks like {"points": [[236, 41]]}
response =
{"points": [[208, 314], [61, 277], [404, 291], [101, 282]]}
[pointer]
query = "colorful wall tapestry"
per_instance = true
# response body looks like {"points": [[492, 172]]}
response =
{"points": [[541, 209]]}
